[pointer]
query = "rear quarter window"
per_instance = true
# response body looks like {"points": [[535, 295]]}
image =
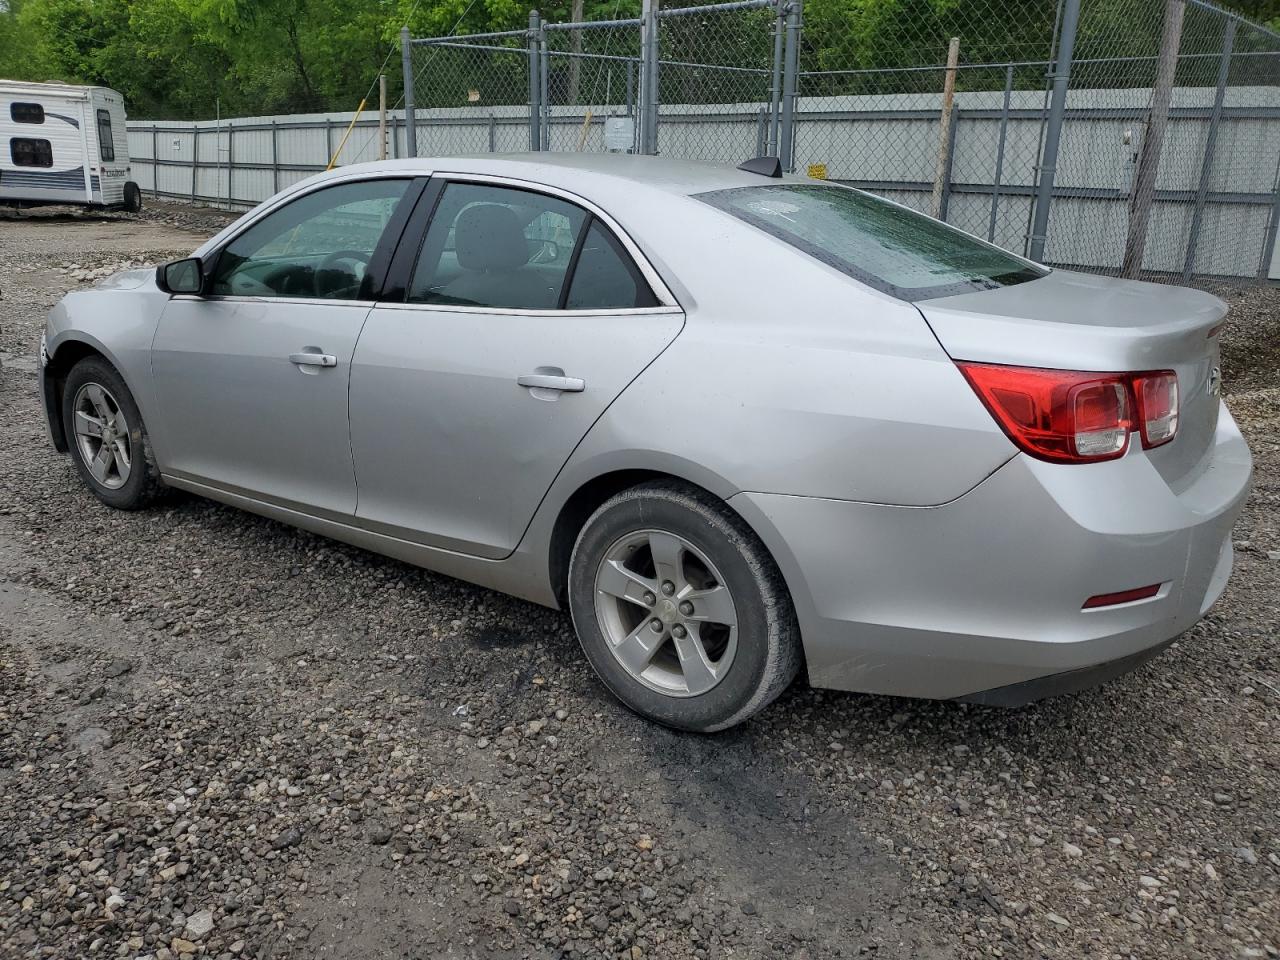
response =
{"points": [[888, 247]]}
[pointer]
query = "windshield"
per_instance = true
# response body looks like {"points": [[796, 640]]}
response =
{"points": [[891, 248]]}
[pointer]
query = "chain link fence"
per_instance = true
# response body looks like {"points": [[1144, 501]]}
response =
{"points": [[1133, 137]]}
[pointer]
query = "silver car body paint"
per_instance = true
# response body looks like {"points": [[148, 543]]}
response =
{"points": [[926, 556]]}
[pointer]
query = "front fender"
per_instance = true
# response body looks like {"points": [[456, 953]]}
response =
{"points": [[117, 322]]}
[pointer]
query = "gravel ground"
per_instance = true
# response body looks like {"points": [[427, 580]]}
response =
{"points": [[223, 737]]}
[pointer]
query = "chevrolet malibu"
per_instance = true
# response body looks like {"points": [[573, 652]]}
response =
{"points": [[736, 423]]}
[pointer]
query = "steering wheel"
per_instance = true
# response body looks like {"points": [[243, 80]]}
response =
{"points": [[329, 265]]}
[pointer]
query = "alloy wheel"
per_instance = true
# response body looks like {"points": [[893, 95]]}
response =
{"points": [[102, 436], [666, 613]]}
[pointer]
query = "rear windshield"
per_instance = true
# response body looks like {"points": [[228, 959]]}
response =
{"points": [[891, 248]]}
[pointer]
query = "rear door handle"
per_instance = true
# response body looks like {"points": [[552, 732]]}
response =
{"points": [[546, 381], [313, 359]]}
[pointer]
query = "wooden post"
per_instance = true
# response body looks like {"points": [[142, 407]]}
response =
{"points": [[944, 134], [1144, 178], [382, 116]]}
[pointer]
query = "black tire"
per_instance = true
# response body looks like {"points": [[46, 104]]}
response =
{"points": [[143, 483], [768, 652], [132, 197]]}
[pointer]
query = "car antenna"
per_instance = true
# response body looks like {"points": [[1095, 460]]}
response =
{"points": [[765, 166]]}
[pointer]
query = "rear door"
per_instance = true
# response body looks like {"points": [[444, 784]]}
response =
{"points": [[525, 314]]}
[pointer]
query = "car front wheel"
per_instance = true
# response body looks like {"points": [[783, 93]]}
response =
{"points": [[107, 438], [680, 609]]}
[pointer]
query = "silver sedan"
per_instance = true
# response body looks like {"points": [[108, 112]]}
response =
{"points": [[737, 423]]}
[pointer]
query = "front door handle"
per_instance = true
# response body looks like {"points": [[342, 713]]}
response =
{"points": [[546, 381], [313, 359]]}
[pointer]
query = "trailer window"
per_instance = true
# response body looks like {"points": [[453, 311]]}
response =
{"points": [[106, 146], [29, 152], [26, 113]]}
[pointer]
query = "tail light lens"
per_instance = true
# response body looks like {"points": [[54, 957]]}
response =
{"points": [[1157, 395], [1067, 416]]}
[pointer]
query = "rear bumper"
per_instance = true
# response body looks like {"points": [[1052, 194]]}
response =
{"points": [[986, 592]]}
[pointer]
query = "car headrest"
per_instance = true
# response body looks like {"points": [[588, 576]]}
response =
{"points": [[489, 236]]}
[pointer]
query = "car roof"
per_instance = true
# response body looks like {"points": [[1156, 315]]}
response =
{"points": [[574, 171]]}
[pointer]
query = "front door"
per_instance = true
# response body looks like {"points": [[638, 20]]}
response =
{"points": [[524, 319], [251, 379]]}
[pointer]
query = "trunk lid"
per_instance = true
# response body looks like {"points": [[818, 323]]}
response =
{"points": [[1076, 321]]}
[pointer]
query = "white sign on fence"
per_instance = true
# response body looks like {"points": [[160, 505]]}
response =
{"points": [[619, 133]]}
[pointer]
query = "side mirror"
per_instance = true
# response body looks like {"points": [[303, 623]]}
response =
{"points": [[181, 276]]}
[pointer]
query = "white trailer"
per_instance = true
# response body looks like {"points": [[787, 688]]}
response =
{"points": [[64, 144]]}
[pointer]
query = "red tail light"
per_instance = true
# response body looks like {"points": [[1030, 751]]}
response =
{"points": [[1067, 416], [1157, 395]]}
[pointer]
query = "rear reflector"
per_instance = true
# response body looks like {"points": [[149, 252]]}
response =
{"points": [[1124, 596], [1070, 416]]}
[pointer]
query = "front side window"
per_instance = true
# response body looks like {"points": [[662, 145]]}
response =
{"points": [[318, 246], [106, 145], [506, 248], [891, 248], [26, 113], [29, 152]]}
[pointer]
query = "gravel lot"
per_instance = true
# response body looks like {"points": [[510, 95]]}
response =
{"points": [[223, 737]]}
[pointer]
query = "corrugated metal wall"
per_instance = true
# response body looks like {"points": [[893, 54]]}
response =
{"points": [[242, 162]]}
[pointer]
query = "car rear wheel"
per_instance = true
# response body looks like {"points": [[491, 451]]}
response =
{"points": [[680, 609], [108, 442]]}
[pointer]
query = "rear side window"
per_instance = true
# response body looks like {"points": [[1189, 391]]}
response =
{"points": [[491, 246], [106, 145], [896, 250], [513, 249], [26, 113], [30, 152]]}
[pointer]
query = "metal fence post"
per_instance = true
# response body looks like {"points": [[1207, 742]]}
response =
{"points": [[231, 159], [1053, 133], [790, 79], [275, 160], [155, 162], [1144, 179], [775, 78], [195, 157], [998, 176], [535, 81], [493, 134], [544, 85], [1273, 226], [410, 117], [631, 89], [649, 78], [1210, 143]]}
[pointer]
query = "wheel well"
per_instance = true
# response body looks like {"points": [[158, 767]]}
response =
{"points": [[60, 364], [575, 512]]}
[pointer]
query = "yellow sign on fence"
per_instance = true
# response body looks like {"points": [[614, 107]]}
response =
{"points": [[818, 171]]}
